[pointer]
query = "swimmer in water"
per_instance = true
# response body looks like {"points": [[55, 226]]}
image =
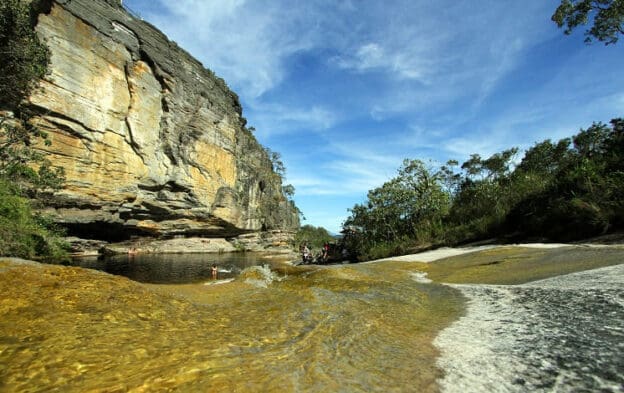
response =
{"points": [[214, 271]]}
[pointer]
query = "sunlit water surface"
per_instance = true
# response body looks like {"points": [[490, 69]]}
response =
{"points": [[352, 328]]}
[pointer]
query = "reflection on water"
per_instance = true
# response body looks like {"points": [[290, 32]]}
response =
{"points": [[352, 328], [171, 268]]}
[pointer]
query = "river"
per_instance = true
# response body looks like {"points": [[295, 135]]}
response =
{"points": [[348, 328], [171, 268], [357, 328]]}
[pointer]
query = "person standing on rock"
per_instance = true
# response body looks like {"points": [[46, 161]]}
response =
{"points": [[306, 254]]}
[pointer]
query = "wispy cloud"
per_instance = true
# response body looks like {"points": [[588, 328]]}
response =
{"points": [[347, 89], [347, 169], [249, 43], [274, 120], [245, 41], [403, 62]]}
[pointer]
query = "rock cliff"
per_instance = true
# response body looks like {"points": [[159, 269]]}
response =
{"points": [[153, 143]]}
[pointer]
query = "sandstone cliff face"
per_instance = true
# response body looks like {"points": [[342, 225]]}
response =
{"points": [[152, 143]]}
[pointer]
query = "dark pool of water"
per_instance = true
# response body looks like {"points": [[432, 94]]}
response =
{"points": [[171, 268]]}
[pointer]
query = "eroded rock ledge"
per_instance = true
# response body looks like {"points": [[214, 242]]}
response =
{"points": [[273, 242], [153, 144]]}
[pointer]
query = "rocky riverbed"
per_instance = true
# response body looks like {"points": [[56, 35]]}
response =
{"points": [[562, 334], [554, 329]]}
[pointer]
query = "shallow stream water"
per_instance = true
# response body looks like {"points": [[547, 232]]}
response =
{"points": [[171, 268], [355, 328], [372, 327]]}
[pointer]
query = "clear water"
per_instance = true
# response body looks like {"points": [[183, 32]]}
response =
{"points": [[349, 328], [346, 328], [171, 268]]}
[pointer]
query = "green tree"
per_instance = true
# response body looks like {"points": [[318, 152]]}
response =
{"points": [[485, 195], [24, 172], [24, 166], [313, 236], [567, 190], [545, 158], [276, 162], [289, 191], [23, 62], [607, 17], [481, 192], [578, 186], [498, 165], [405, 211], [23, 57], [451, 180], [24, 233]]}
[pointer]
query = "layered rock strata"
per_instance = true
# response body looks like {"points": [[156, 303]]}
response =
{"points": [[152, 143]]}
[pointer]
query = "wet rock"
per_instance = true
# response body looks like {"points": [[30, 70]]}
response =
{"points": [[85, 247], [561, 334], [269, 242]]}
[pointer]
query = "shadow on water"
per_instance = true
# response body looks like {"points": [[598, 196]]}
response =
{"points": [[171, 268]]}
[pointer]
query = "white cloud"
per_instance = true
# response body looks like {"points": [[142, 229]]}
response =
{"points": [[440, 80], [245, 42], [403, 62], [348, 168], [446, 54], [435, 59], [272, 120]]}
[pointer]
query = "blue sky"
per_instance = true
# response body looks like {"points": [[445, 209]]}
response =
{"points": [[345, 90]]}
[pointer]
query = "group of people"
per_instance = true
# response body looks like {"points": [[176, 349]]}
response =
{"points": [[307, 256]]}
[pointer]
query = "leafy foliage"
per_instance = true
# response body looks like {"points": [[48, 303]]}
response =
{"points": [[607, 17], [24, 172], [23, 58], [23, 62], [313, 236], [24, 233], [24, 166], [567, 190], [409, 206], [581, 187]]}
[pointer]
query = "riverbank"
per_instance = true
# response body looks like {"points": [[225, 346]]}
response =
{"points": [[561, 334], [554, 326], [274, 242]]}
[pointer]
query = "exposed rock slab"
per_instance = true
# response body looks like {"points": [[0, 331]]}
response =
{"points": [[270, 241], [560, 334], [173, 246]]}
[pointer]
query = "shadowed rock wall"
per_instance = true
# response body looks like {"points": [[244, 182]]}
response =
{"points": [[152, 142]]}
